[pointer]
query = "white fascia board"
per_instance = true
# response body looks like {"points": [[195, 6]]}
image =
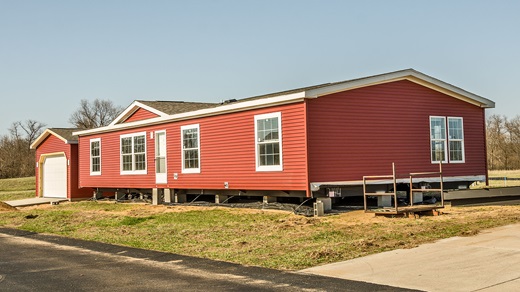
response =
{"points": [[410, 75], [44, 135], [133, 108], [224, 109]]}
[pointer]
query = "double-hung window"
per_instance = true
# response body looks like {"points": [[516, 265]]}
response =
{"points": [[268, 142], [133, 153], [438, 139], [447, 139], [190, 136], [456, 139], [95, 156]]}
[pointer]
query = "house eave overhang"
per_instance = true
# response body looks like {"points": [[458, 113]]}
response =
{"points": [[224, 109], [408, 74]]}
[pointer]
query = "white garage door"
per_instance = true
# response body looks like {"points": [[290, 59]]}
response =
{"points": [[55, 177]]}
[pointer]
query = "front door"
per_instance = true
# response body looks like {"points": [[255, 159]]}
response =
{"points": [[160, 158]]}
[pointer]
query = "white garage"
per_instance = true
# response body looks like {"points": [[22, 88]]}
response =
{"points": [[54, 177]]}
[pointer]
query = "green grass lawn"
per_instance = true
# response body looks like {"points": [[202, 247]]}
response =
{"points": [[17, 188], [273, 239]]}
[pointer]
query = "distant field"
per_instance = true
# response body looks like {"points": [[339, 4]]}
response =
{"points": [[17, 188], [504, 174]]}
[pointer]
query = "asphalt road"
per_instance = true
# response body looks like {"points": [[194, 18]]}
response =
{"points": [[37, 262]]}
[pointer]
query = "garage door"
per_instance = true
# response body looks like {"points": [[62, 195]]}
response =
{"points": [[55, 177]]}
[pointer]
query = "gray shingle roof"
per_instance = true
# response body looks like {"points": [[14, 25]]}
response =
{"points": [[66, 133], [177, 107]]}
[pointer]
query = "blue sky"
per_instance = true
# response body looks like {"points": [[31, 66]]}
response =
{"points": [[55, 53]]}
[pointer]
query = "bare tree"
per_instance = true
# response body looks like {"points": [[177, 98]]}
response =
{"points": [[503, 142], [94, 114], [32, 129], [16, 159], [495, 132]]}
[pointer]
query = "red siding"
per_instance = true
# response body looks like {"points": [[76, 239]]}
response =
{"points": [[139, 115], [362, 131], [52, 144], [74, 190], [227, 155]]}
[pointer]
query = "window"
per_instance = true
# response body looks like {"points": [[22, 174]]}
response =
{"points": [[446, 146], [190, 149], [133, 153], [268, 142], [456, 139], [438, 138], [95, 156]]}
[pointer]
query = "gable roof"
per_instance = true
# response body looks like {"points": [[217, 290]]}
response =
{"points": [[190, 110], [407, 74], [160, 108], [177, 107], [64, 134]]}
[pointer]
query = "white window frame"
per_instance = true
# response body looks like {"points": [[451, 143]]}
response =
{"points": [[259, 167], [445, 159], [456, 140], [188, 127], [447, 139], [133, 171], [91, 157]]}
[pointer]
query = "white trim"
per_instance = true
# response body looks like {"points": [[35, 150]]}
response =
{"points": [[130, 110], [133, 171], [224, 109], [259, 167], [447, 139], [461, 140], [408, 74], [187, 127], [161, 178], [315, 186], [445, 159], [90, 155], [46, 134]]}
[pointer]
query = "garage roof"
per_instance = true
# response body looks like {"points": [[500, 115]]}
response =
{"points": [[64, 134]]}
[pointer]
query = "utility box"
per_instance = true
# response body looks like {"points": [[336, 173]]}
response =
{"points": [[318, 209], [385, 201]]}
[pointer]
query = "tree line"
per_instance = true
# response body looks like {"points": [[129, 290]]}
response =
{"points": [[17, 160], [503, 142]]}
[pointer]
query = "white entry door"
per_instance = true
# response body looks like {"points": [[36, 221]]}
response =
{"points": [[54, 178], [161, 176]]}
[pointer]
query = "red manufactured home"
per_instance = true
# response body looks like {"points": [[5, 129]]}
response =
{"points": [[57, 165], [294, 143]]}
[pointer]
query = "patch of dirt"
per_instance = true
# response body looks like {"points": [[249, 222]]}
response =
{"points": [[5, 207]]}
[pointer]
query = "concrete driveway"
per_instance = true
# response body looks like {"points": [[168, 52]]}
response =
{"points": [[489, 261]]}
